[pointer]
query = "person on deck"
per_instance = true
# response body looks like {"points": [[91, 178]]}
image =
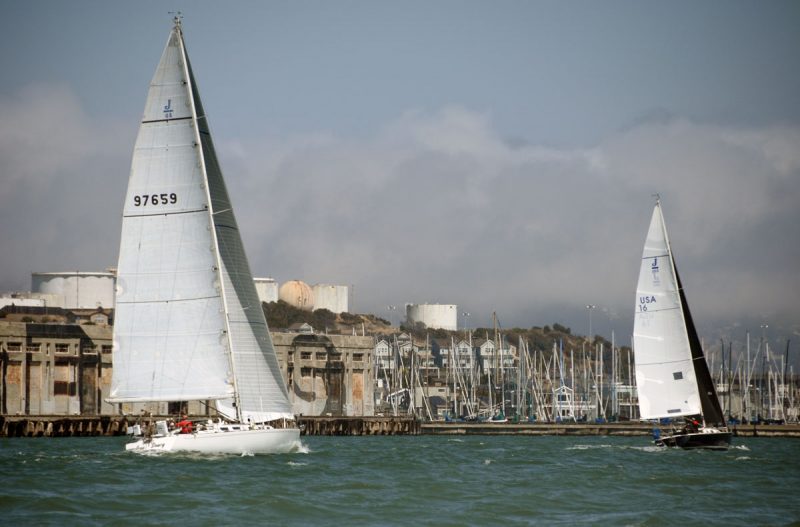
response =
{"points": [[185, 425]]}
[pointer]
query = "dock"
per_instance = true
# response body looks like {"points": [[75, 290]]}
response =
{"points": [[86, 426]]}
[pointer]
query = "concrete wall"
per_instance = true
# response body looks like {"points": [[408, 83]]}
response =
{"points": [[66, 369], [327, 374], [52, 369]]}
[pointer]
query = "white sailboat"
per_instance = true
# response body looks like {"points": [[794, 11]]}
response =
{"points": [[188, 322], [672, 376]]}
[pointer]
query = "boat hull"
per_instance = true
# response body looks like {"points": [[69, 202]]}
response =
{"points": [[715, 440], [260, 441]]}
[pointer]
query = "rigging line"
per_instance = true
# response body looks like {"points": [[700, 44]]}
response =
{"points": [[166, 120], [162, 213], [656, 310], [167, 301], [663, 362]]}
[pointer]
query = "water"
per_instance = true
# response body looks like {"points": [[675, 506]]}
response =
{"points": [[424, 480]]}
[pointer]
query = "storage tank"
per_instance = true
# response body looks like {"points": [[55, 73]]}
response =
{"points": [[298, 294], [80, 290], [331, 297], [267, 289], [434, 316]]}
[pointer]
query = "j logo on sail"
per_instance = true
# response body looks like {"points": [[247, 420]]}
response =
{"points": [[168, 109], [654, 270]]}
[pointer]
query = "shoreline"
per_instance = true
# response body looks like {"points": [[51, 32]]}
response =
{"points": [[93, 426]]}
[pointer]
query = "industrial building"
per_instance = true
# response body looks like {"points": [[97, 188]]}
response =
{"points": [[267, 289], [334, 298], [299, 294], [56, 361], [434, 316], [77, 290], [327, 374]]}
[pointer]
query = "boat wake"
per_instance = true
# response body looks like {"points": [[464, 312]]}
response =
{"points": [[647, 448], [301, 448], [588, 447]]}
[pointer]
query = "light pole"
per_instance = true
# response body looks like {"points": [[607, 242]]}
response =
{"points": [[589, 308]]}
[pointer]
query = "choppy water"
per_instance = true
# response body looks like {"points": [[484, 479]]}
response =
{"points": [[343, 481]]}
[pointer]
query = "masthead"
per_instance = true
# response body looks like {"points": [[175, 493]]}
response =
{"points": [[177, 17]]}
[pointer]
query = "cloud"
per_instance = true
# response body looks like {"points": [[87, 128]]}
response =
{"points": [[439, 207], [62, 179]]}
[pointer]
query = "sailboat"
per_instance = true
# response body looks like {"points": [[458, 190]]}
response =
{"points": [[188, 323], [672, 377]]}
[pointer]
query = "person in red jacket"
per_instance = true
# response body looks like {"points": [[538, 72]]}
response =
{"points": [[185, 425]]}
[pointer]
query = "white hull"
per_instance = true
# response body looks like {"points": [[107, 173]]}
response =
{"points": [[259, 441]]}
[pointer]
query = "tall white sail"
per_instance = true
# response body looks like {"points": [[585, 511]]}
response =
{"points": [[189, 324], [665, 377], [169, 322], [262, 393]]}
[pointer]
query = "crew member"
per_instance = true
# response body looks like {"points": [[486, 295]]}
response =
{"points": [[185, 425]]}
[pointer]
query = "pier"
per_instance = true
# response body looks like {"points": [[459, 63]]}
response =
{"points": [[359, 426], [85, 426]]}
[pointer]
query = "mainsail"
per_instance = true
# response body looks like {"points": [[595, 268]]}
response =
{"points": [[666, 379], [188, 322]]}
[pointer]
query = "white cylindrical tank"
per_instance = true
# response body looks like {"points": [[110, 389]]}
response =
{"points": [[298, 294], [331, 297], [267, 289], [80, 290], [434, 316]]}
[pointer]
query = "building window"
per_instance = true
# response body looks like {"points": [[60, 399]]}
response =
{"points": [[62, 348], [107, 348], [89, 351], [305, 355], [322, 356], [33, 348], [14, 346], [64, 388], [358, 356]]}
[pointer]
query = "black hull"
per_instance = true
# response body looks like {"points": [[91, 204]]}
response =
{"points": [[707, 440]]}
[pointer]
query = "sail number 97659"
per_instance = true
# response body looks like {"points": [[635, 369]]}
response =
{"points": [[154, 199]]}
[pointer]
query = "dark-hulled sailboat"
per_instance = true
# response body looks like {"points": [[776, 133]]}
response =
{"points": [[672, 377]]}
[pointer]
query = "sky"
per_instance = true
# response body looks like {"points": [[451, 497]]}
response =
{"points": [[501, 156]]}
